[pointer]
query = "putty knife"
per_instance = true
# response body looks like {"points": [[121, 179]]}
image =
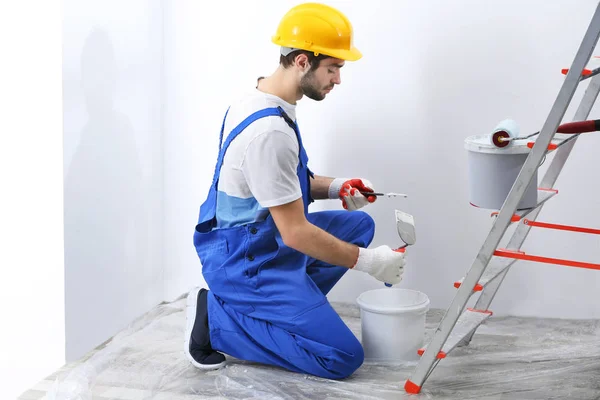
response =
{"points": [[405, 225]]}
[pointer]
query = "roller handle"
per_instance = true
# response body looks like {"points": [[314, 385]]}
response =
{"points": [[592, 125], [400, 250]]}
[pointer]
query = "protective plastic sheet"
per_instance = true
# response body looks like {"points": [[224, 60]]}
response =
{"points": [[509, 358]]}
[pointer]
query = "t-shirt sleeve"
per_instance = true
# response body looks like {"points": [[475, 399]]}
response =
{"points": [[269, 166]]}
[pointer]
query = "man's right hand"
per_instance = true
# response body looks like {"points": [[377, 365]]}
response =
{"points": [[382, 263]]}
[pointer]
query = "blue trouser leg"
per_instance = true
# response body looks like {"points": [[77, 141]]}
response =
{"points": [[355, 227], [287, 320], [320, 344]]}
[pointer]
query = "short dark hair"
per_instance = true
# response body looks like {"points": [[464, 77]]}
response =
{"points": [[287, 61]]}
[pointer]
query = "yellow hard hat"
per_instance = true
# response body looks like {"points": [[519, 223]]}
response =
{"points": [[318, 28]]}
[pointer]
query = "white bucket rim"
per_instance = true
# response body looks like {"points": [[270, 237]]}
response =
{"points": [[423, 306], [482, 144]]}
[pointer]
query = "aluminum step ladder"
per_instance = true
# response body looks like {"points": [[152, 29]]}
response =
{"points": [[491, 264]]}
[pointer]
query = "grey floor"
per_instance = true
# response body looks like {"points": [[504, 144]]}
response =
{"points": [[509, 358]]}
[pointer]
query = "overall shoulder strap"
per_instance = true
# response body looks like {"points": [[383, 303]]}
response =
{"points": [[266, 112]]}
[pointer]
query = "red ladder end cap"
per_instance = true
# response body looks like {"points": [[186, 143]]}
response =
{"points": [[411, 387], [551, 146], [440, 355], [585, 71], [514, 218], [477, 288]]}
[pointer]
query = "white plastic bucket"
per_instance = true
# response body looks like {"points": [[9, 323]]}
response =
{"points": [[392, 324], [493, 171]]}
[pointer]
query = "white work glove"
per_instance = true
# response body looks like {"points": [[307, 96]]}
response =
{"points": [[348, 190], [382, 263]]}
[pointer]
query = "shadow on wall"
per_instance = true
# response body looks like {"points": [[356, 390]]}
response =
{"points": [[104, 209]]}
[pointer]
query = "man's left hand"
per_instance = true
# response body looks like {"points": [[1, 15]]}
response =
{"points": [[349, 191]]}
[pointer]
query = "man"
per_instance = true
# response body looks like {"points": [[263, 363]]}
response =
{"points": [[269, 263]]}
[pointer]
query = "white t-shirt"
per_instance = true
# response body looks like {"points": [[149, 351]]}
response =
{"points": [[259, 167]]}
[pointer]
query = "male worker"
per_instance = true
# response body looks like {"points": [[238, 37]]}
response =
{"points": [[269, 263]]}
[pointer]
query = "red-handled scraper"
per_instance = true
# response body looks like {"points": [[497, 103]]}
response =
{"points": [[405, 225]]}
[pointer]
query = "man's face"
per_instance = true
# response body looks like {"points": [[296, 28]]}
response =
{"points": [[317, 83]]}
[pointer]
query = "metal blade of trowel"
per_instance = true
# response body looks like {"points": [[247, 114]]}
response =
{"points": [[405, 224]]}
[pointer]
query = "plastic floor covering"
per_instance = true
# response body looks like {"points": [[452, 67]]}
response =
{"points": [[508, 358]]}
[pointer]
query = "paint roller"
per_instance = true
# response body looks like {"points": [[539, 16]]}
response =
{"points": [[507, 131]]}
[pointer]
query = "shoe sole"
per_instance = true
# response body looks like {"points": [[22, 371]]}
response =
{"points": [[190, 318]]}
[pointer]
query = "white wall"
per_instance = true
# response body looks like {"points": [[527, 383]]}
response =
{"points": [[112, 68], [432, 74], [31, 205]]}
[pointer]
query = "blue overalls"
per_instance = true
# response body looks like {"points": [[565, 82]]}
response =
{"points": [[267, 302]]}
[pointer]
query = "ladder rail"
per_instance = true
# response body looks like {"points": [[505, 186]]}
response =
{"points": [[555, 116]]}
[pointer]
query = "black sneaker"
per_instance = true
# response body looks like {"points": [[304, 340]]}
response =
{"points": [[197, 339]]}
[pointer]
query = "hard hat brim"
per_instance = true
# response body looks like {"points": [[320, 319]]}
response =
{"points": [[347, 55]]}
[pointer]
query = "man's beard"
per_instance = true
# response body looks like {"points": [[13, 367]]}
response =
{"points": [[310, 88]]}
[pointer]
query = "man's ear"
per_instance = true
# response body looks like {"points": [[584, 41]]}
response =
{"points": [[302, 62]]}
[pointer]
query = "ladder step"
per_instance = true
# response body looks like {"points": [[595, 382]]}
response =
{"points": [[467, 322], [543, 196], [494, 268]]}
